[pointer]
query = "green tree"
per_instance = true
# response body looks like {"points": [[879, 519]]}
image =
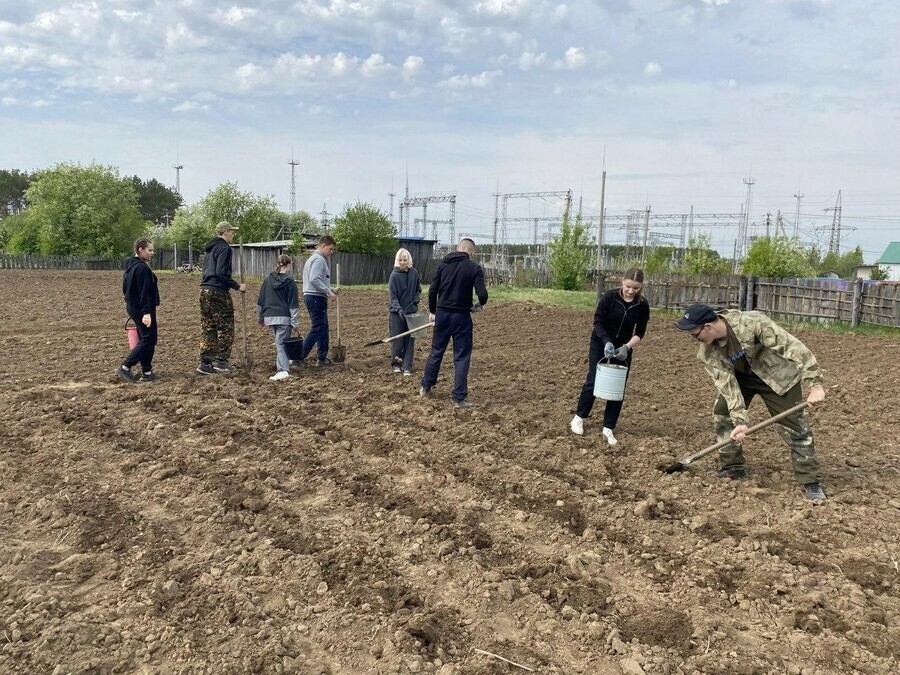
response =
{"points": [[842, 265], [191, 227], [570, 255], [776, 257], [701, 258], [300, 221], [659, 259], [879, 273], [158, 203], [255, 215], [363, 228], [80, 210], [17, 235], [13, 185]]}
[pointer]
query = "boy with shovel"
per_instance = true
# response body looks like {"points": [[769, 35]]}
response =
{"points": [[745, 354]]}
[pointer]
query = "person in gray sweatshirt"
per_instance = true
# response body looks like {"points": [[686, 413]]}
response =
{"points": [[317, 291], [404, 293], [276, 307]]}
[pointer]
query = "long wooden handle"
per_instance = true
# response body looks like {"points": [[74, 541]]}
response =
{"points": [[400, 335], [337, 300], [756, 427]]}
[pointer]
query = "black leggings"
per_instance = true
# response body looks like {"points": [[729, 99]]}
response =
{"points": [[586, 399]]}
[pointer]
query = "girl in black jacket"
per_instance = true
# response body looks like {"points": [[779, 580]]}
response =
{"points": [[620, 323], [141, 290]]}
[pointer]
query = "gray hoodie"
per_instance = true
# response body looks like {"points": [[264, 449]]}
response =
{"points": [[317, 275]]}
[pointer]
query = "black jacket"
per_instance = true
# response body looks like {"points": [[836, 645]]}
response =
{"points": [[140, 286], [278, 296], [217, 267], [617, 321], [404, 291], [456, 278]]}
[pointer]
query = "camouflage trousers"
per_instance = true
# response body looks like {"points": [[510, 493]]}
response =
{"points": [[794, 429], [216, 325]]}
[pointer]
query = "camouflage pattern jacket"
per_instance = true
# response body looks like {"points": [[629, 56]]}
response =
{"points": [[774, 355]]}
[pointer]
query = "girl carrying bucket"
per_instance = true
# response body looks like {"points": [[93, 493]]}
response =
{"points": [[620, 323], [276, 307]]}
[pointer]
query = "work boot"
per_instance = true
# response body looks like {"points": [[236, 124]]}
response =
{"points": [[732, 473], [148, 376], [424, 392], [125, 373], [609, 436], [222, 366], [814, 492], [577, 425], [298, 363], [205, 369], [324, 362], [463, 403]]}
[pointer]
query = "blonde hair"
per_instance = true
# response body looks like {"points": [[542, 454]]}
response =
{"points": [[400, 252]]}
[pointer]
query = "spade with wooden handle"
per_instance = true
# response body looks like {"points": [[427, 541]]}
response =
{"points": [[681, 465]]}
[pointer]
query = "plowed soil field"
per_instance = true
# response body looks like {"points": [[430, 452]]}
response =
{"points": [[336, 523]]}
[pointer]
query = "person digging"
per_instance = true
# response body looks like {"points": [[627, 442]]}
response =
{"points": [[747, 354]]}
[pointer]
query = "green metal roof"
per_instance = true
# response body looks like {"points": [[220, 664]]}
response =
{"points": [[891, 255]]}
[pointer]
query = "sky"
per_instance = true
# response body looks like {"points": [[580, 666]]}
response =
{"points": [[680, 100]]}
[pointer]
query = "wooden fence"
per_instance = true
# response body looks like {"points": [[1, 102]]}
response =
{"points": [[28, 261]]}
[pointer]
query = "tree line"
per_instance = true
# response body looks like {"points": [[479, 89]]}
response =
{"points": [[92, 211]]}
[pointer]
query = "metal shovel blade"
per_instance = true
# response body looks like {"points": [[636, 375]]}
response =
{"points": [[339, 353]]}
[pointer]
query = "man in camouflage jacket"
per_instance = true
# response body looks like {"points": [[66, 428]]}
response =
{"points": [[747, 354]]}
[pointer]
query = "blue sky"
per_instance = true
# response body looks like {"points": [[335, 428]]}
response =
{"points": [[686, 98]]}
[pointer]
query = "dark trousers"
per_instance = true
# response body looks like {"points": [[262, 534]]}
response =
{"points": [[317, 306], [146, 347], [457, 325], [402, 350], [586, 399]]}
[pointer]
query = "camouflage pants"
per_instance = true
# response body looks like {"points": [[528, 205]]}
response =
{"points": [[216, 325], [794, 429]]}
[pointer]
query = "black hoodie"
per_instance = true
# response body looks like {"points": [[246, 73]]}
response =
{"points": [[456, 277], [140, 287], [217, 267], [277, 297]]}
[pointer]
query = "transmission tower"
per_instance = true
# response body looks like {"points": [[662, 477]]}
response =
{"points": [[501, 248], [742, 243], [423, 200], [798, 196], [294, 164], [834, 241], [325, 221], [178, 168]]}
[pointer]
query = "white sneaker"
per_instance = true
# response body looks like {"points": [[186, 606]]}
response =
{"points": [[577, 425], [279, 376], [608, 433]]}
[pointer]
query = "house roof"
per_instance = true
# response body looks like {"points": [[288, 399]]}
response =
{"points": [[891, 255]]}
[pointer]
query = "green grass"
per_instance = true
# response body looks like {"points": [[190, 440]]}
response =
{"points": [[543, 296]]}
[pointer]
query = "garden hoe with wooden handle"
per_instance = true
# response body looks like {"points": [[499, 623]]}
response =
{"points": [[397, 337], [248, 357], [339, 351], [684, 463]]}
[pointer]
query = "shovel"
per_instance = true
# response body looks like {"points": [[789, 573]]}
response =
{"points": [[684, 463], [338, 352], [397, 337], [248, 357]]}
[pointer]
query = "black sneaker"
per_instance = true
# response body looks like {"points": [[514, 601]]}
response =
{"points": [[222, 366], [148, 376], [464, 404], [814, 492], [206, 369], [732, 473], [424, 392], [125, 373], [298, 363], [324, 362]]}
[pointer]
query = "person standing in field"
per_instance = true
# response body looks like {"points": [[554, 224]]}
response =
{"points": [[276, 307], [141, 290], [317, 291], [747, 354], [216, 308], [450, 307], [404, 293], [620, 324]]}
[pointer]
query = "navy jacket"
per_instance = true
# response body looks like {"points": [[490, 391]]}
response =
{"points": [[140, 286], [456, 278], [217, 267]]}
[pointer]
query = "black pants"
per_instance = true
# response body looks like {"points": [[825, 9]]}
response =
{"points": [[586, 399], [456, 325], [145, 348]]}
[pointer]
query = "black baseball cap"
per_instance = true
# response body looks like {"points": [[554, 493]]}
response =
{"points": [[696, 315]]}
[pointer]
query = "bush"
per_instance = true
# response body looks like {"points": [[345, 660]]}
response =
{"points": [[570, 256]]}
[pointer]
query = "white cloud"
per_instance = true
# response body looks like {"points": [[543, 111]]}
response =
{"points": [[251, 76], [235, 15], [412, 67], [559, 13], [190, 106], [9, 101], [717, 3], [180, 36], [375, 65], [529, 60], [575, 58], [652, 69], [319, 110], [505, 8], [471, 81]]}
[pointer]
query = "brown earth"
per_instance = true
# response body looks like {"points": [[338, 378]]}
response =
{"points": [[336, 523]]}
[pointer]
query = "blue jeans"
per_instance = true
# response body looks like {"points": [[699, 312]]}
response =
{"points": [[402, 350], [317, 306], [281, 332], [457, 325]]}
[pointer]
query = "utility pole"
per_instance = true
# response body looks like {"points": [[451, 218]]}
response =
{"points": [[294, 164], [178, 168], [646, 232], [600, 222], [742, 243], [834, 241], [391, 194], [798, 196], [325, 214]]}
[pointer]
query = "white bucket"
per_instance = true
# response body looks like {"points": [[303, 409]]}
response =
{"points": [[415, 322], [609, 383]]}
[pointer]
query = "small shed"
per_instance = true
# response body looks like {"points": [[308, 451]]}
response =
{"points": [[890, 261]]}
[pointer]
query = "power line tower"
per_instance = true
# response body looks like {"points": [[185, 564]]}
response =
{"points": [[294, 164], [500, 258], [742, 243], [799, 197], [834, 241], [326, 223], [423, 200], [178, 168]]}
